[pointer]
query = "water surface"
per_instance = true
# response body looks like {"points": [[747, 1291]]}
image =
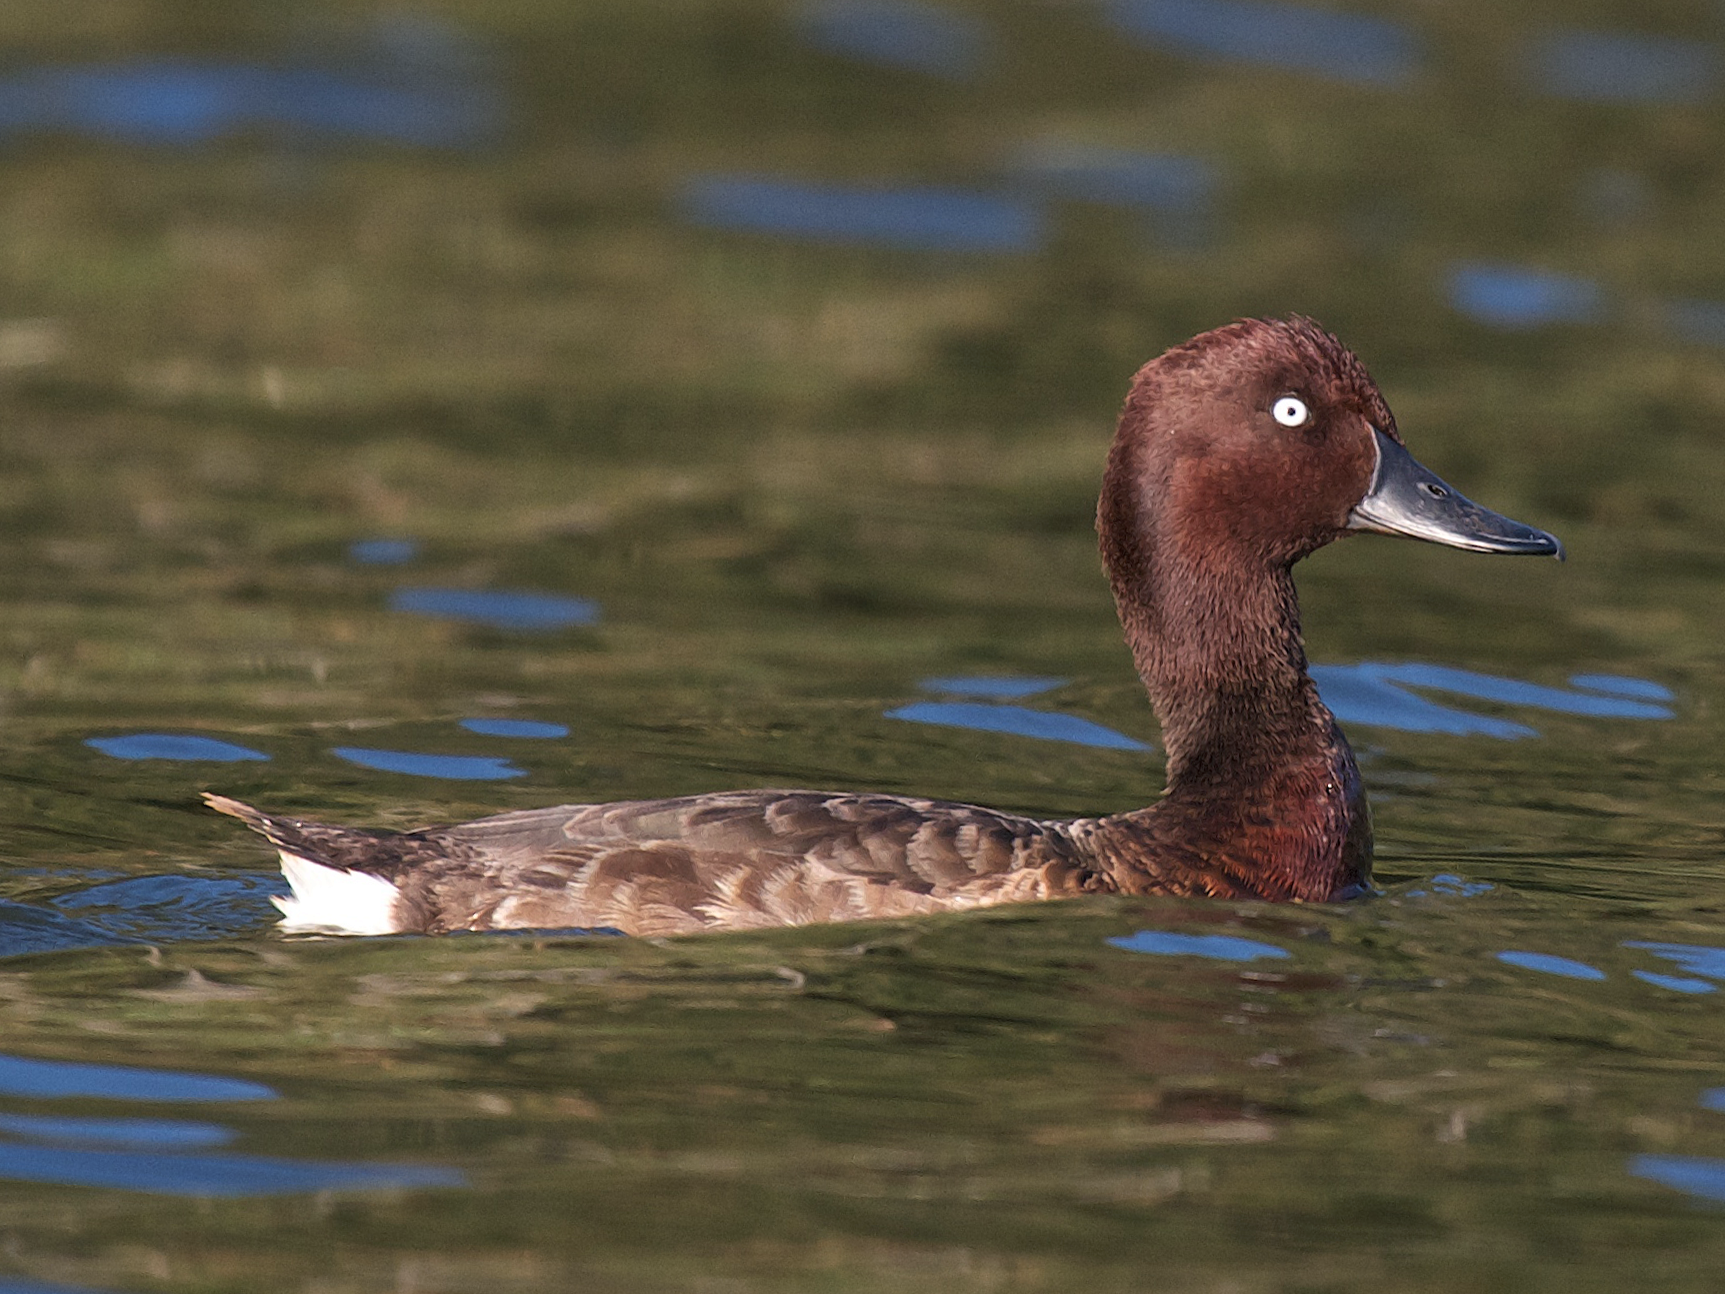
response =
{"points": [[600, 403]]}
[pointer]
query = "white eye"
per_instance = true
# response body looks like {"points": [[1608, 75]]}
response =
{"points": [[1290, 411]]}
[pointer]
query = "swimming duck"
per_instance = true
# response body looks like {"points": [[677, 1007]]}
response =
{"points": [[1238, 453]]}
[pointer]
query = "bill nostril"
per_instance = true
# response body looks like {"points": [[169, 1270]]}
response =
{"points": [[1435, 491]]}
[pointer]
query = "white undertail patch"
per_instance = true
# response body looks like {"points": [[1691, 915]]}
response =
{"points": [[333, 901]]}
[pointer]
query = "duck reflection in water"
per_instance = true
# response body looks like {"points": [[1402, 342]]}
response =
{"points": [[1238, 453]]}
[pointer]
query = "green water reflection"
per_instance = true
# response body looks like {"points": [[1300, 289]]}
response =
{"points": [[794, 475]]}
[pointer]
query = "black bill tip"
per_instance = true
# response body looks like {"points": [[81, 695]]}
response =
{"points": [[1407, 499]]}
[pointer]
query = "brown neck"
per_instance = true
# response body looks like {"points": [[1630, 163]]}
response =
{"points": [[1256, 765], [1257, 769], [1219, 649]]}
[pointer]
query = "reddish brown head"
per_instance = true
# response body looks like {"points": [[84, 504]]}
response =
{"points": [[1247, 446], [1238, 453]]}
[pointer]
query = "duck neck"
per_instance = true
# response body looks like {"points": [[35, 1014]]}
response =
{"points": [[1220, 652], [1257, 767]]}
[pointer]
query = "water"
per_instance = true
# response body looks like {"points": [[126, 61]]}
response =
{"points": [[718, 399], [1348, 47], [1510, 297], [908, 218], [915, 37], [1623, 67]]}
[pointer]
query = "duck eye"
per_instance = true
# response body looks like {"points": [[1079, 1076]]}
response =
{"points": [[1290, 411]]}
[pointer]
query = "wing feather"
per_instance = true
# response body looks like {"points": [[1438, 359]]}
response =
{"points": [[736, 859]]}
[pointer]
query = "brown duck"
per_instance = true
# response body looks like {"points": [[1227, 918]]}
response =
{"points": [[1238, 453]]}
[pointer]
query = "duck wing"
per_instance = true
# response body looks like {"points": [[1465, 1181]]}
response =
{"points": [[734, 860]]}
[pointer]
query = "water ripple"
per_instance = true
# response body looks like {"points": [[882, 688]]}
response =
{"points": [[1228, 948], [168, 745], [499, 608], [897, 33], [905, 217], [1019, 721], [521, 728], [1547, 964], [1623, 67], [1342, 46], [21, 1076], [1374, 693], [467, 768]]}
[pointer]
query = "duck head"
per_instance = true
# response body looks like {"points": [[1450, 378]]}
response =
{"points": [[1262, 441], [1238, 453]]}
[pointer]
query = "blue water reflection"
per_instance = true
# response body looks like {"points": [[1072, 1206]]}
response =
{"points": [[1228, 948], [1547, 964], [165, 1134], [1697, 959], [1516, 297], [1703, 1178], [167, 745], [1676, 983], [220, 1176], [1003, 688], [1697, 321], [185, 102], [13, 1285], [1374, 693], [897, 33], [466, 768], [20, 1076], [499, 608], [1178, 189], [1617, 67], [907, 218], [1449, 885], [160, 1156], [1017, 720], [1713, 1099], [524, 728], [26, 929], [1167, 182], [383, 552], [171, 907], [1342, 46], [1641, 689]]}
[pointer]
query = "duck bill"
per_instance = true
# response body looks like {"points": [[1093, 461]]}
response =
{"points": [[1408, 499]]}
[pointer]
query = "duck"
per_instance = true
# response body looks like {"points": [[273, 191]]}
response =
{"points": [[1237, 454]]}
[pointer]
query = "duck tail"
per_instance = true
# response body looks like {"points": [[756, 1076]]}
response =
{"points": [[328, 894], [256, 819]]}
